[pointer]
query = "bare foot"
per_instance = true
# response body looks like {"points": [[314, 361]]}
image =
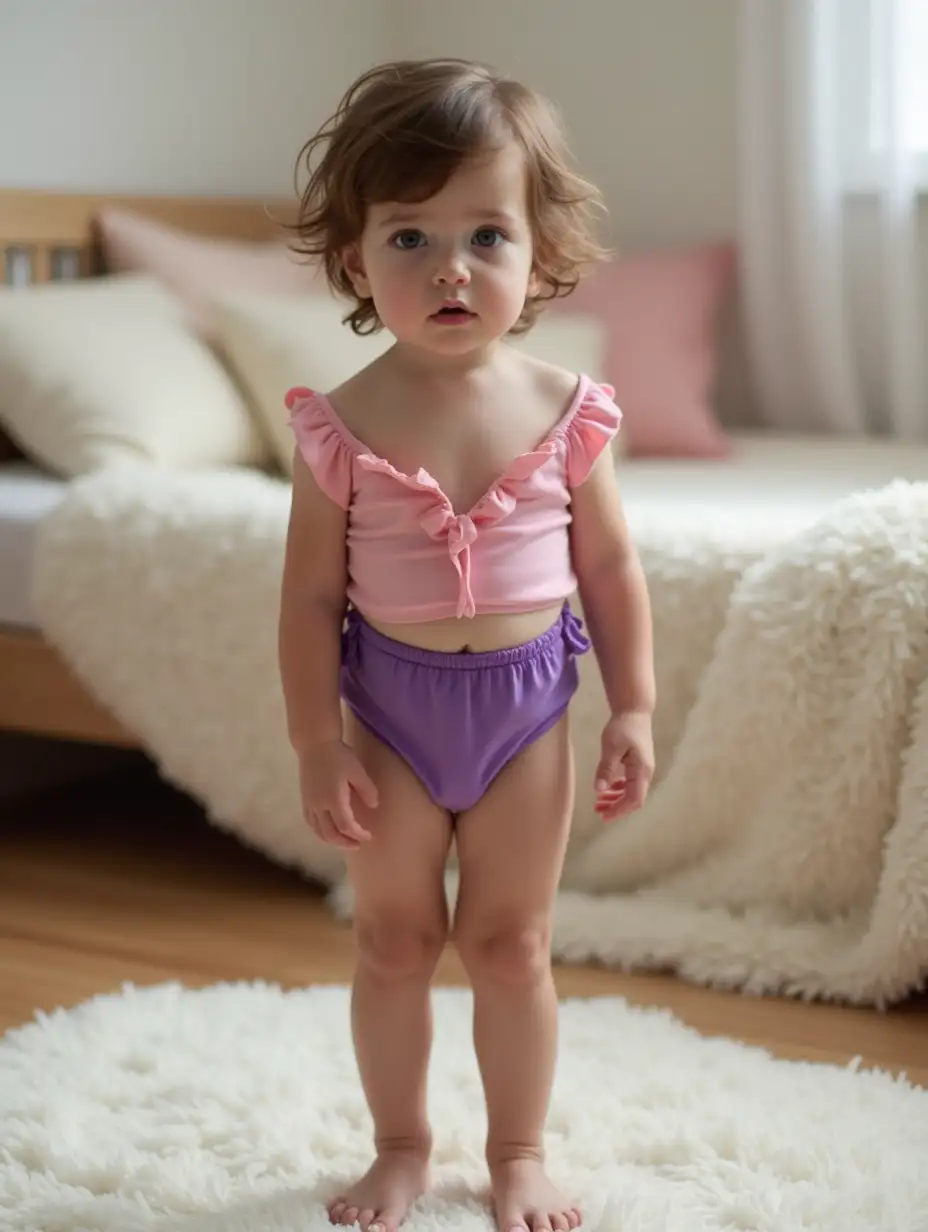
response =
{"points": [[523, 1197], [380, 1199]]}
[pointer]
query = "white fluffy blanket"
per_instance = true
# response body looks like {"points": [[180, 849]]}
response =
{"points": [[785, 844]]}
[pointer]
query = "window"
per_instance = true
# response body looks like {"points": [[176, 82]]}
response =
{"points": [[883, 48], [899, 65]]}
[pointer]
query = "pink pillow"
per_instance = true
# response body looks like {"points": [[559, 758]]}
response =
{"points": [[661, 313], [195, 268]]}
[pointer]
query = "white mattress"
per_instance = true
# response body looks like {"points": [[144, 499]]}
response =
{"points": [[27, 494], [789, 480]]}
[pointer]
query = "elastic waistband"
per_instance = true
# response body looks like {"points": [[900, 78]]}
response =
{"points": [[567, 628]]}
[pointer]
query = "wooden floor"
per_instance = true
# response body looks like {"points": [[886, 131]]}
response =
{"points": [[124, 881]]}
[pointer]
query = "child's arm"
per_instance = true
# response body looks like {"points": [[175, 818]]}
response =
{"points": [[312, 610], [617, 608]]}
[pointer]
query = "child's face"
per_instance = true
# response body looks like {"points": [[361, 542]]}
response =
{"points": [[470, 244]]}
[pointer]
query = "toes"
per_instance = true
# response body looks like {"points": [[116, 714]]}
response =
{"points": [[387, 1221], [349, 1216], [540, 1223], [378, 1221], [335, 1210], [574, 1218], [559, 1221]]}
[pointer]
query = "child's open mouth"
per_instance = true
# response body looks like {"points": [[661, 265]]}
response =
{"points": [[453, 314]]}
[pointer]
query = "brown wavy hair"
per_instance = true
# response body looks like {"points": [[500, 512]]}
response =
{"points": [[399, 134]]}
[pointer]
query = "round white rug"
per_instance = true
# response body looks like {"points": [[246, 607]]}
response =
{"points": [[237, 1109]]}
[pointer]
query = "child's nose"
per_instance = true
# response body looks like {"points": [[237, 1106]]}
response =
{"points": [[452, 271]]}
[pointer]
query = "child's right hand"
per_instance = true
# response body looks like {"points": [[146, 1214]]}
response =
{"points": [[329, 773]]}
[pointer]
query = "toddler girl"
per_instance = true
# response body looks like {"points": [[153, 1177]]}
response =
{"points": [[447, 501]]}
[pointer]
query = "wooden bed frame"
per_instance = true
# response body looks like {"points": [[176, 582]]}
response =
{"points": [[53, 235]]}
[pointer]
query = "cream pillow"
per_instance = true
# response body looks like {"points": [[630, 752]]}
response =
{"points": [[104, 371], [198, 268], [275, 342]]}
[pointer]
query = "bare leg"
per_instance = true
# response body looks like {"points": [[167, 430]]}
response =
{"points": [[511, 850], [402, 925]]}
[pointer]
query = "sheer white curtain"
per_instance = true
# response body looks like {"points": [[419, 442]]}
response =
{"points": [[834, 155]]}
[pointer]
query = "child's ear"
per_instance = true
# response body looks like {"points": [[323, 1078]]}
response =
{"points": [[534, 285], [354, 268]]}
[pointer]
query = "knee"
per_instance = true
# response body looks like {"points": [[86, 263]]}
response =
{"points": [[396, 949], [515, 956]]}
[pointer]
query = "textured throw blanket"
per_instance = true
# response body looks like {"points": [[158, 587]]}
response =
{"points": [[785, 844]]}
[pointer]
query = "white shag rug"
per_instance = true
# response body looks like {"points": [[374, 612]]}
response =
{"points": [[237, 1108], [784, 847]]}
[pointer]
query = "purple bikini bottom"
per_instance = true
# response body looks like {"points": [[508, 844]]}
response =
{"points": [[457, 719]]}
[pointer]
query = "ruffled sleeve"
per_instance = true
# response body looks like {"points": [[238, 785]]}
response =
{"points": [[322, 447], [590, 431]]}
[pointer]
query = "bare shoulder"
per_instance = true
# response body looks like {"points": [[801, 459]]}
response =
{"points": [[356, 399], [548, 386]]}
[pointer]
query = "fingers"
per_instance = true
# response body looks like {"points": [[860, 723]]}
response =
{"points": [[338, 825], [329, 806], [635, 791], [324, 825], [610, 771], [363, 784], [611, 785], [623, 798], [607, 801], [615, 807], [344, 818]]}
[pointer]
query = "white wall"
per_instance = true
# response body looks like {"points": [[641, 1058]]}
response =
{"points": [[217, 96], [203, 96], [648, 89], [649, 94], [186, 96]]}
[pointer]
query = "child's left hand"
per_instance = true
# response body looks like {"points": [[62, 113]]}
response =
{"points": [[626, 766]]}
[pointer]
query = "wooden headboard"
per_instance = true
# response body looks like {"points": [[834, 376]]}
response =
{"points": [[51, 236], [45, 236]]}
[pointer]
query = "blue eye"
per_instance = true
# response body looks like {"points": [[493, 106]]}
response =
{"points": [[488, 237], [406, 241]]}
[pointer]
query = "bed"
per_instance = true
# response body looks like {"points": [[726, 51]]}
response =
{"points": [[48, 236], [788, 587], [52, 236]]}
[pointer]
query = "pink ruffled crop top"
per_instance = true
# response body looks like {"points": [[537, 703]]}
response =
{"points": [[411, 558]]}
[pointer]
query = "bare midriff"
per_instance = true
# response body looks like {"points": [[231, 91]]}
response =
{"points": [[477, 634]]}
